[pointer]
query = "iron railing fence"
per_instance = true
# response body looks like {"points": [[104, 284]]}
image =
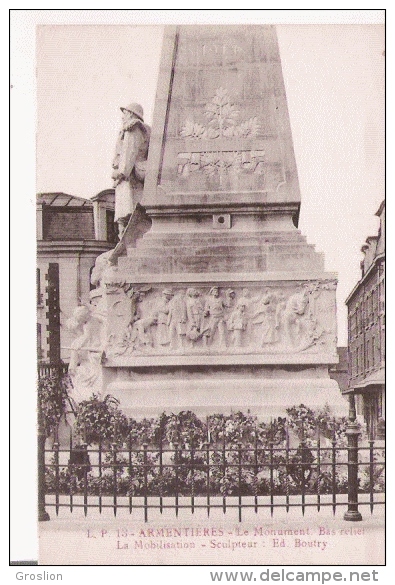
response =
{"points": [[51, 369], [212, 476], [256, 473]]}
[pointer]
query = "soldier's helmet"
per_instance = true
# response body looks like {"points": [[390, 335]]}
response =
{"points": [[135, 109]]}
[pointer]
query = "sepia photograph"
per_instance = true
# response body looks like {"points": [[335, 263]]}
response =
{"points": [[210, 291]]}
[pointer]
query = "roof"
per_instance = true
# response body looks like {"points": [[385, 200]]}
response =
{"points": [[374, 248], [62, 200], [374, 379], [105, 195], [376, 260]]}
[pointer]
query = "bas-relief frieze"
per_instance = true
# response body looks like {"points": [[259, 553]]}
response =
{"points": [[216, 319]]}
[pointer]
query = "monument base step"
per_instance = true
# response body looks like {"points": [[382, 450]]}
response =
{"points": [[264, 398]]}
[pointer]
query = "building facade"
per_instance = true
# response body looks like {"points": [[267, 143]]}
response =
{"points": [[71, 233], [366, 332], [339, 371]]}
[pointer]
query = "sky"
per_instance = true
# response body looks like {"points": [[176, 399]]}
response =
{"points": [[334, 78]]}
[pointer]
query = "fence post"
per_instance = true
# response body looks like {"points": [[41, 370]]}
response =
{"points": [[352, 433], [41, 437]]}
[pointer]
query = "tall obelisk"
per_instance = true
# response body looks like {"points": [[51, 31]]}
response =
{"points": [[221, 304]]}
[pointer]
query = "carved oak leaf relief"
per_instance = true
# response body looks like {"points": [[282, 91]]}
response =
{"points": [[222, 122], [193, 130], [222, 116]]}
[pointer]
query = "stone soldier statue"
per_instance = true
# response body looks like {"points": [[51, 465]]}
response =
{"points": [[130, 163]]}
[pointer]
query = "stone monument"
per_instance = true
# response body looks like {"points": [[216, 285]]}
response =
{"points": [[213, 299], [129, 164]]}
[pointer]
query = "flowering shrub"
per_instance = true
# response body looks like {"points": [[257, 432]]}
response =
{"points": [[234, 428], [101, 420], [376, 475], [308, 424], [147, 431], [184, 428], [52, 400], [273, 433], [225, 454]]}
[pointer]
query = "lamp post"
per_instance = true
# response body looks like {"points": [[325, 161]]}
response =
{"points": [[352, 432]]}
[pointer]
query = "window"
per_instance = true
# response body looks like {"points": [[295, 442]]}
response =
{"points": [[112, 235], [380, 404], [375, 301], [368, 354], [361, 359], [353, 363], [353, 325], [382, 342], [38, 289], [91, 286], [39, 341], [68, 223], [373, 350]]}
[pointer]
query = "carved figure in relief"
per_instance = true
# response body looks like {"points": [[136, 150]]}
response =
{"points": [[86, 352], [279, 314], [127, 307], [214, 310], [238, 319], [136, 297], [102, 263], [195, 314], [245, 298], [230, 296], [187, 320], [265, 316], [129, 163], [177, 321], [139, 335], [293, 317], [124, 312], [237, 322], [162, 311]]}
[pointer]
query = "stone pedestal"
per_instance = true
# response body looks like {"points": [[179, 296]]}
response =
{"points": [[265, 392], [220, 304]]}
